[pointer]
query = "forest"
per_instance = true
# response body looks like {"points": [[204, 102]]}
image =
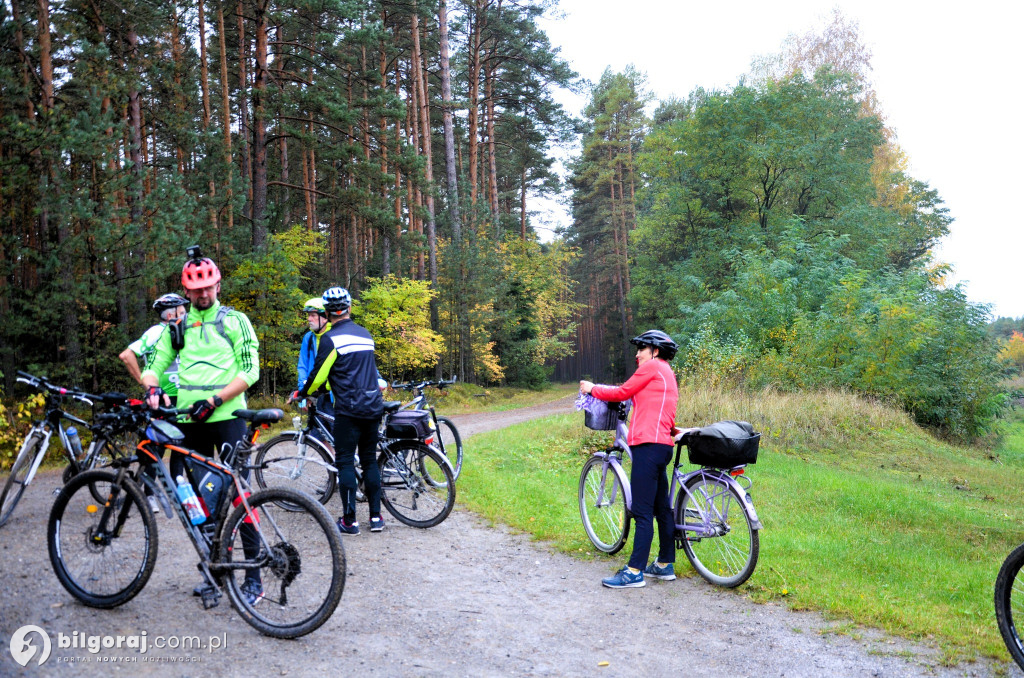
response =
{"points": [[396, 149]]}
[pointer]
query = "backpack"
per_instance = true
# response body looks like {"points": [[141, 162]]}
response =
{"points": [[178, 328]]}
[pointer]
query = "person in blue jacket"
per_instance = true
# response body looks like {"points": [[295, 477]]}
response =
{"points": [[316, 317]]}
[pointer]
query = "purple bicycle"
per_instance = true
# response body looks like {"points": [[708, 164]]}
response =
{"points": [[716, 524]]}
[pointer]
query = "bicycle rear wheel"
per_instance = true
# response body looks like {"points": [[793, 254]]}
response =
{"points": [[1010, 603], [103, 558], [451, 444], [295, 554], [725, 549], [602, 500], [416, 483], [298, 466], [15, 485]]}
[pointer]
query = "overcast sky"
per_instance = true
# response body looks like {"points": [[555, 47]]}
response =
{"points": [[948, 78]]}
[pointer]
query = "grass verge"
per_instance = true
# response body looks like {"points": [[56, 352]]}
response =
{"points": [[866, 517]]}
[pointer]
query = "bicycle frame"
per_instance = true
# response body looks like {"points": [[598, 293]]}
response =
{"points": [[51, 421], [149, 454], [612, 460]]}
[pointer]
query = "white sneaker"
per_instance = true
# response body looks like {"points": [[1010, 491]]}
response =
{"points": [[153, 504]]}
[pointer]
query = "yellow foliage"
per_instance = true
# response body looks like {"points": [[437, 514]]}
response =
{"points": [[1012, 351]]}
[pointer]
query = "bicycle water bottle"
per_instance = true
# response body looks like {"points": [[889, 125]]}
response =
{"points": [[189, 501], [75, 442]]}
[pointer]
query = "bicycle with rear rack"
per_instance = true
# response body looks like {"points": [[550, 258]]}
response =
{"points": [[283, 569], [448, 441], [104, 446], [417, 485], [715, 521], [1010, 603]]}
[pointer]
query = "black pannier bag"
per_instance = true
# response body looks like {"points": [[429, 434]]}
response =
{"points": [[599, 415], [408, 425], [723, 444]]}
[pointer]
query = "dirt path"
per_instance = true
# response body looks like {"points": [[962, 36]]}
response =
{"points": [[460, 599]]}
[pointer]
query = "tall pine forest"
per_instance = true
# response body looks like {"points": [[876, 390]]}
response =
{"points": [[396, 149]]}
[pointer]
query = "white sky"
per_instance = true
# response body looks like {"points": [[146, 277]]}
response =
{"points": [[948, 78]]}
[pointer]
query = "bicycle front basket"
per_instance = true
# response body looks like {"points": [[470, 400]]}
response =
{"points": [[724, 444], [599, 415], [409, 425]]}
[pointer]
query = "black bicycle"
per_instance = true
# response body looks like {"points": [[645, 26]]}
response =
{"points": [[417, 486], [106, 441], [283, 570], [448, 440], [1010, 603]]}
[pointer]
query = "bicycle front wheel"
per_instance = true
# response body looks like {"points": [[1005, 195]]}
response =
{"points": [[416, 483], [723, 546], [1010, 603], [102, 556], [15, 485], [300, 466], [603, 510], [451, 444], [285, 569]]}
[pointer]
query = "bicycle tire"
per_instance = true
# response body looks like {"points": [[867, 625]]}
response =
{"points": [[602, 501], [302, 572], [15, 485], [112, 572], [729, 557], [450, 444], [292, 471], [1010, 603], [411, 491]]}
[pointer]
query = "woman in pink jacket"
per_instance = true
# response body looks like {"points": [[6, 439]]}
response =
{"points": [[655, 392]]}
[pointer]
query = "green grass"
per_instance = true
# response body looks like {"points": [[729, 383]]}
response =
{"points": [[866, 517]]}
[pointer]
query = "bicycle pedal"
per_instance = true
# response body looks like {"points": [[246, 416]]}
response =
{"points": [[211, 598]]}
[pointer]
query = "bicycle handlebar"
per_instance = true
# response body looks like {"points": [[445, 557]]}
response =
{"points": [[41, 384], [411, 386]]}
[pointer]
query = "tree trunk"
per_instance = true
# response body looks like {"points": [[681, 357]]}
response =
{"points": [[226, 105], [243, 111], [259, 130], [449, 132]]}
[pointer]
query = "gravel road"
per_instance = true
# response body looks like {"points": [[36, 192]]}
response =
{"points": [[461, 599]]}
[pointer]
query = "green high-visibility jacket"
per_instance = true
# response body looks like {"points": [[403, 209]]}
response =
{"points": [[210, 360]]}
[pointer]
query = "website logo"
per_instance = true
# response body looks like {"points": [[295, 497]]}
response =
{"points": [[23, 649]]}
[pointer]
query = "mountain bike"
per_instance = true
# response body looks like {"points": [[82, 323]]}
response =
{"points": [[417, 486], [449, 442], [715, 521], [283, 570], [33, 449], [1010, 603]]}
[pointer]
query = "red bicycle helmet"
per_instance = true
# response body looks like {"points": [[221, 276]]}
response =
{"points": [[198, 273]]}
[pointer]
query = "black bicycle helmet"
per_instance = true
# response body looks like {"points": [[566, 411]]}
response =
{"points": [[337, 299], [169, 301], [659, 340]]}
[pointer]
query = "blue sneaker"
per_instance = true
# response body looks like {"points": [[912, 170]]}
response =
{"points": [[624, 579], [667, 573], [376, 524], [348, 528], [252, 592]]}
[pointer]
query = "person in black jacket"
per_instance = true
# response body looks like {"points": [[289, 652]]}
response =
{"points": [[346, 360]]}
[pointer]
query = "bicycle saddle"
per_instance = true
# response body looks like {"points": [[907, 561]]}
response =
{"points": [[391, 406], [268, 416]]}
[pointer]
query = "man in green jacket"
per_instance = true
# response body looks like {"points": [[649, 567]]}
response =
{"points": [[219, 359]]}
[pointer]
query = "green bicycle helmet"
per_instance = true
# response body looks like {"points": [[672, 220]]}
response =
{"points": [[315, 305]]}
